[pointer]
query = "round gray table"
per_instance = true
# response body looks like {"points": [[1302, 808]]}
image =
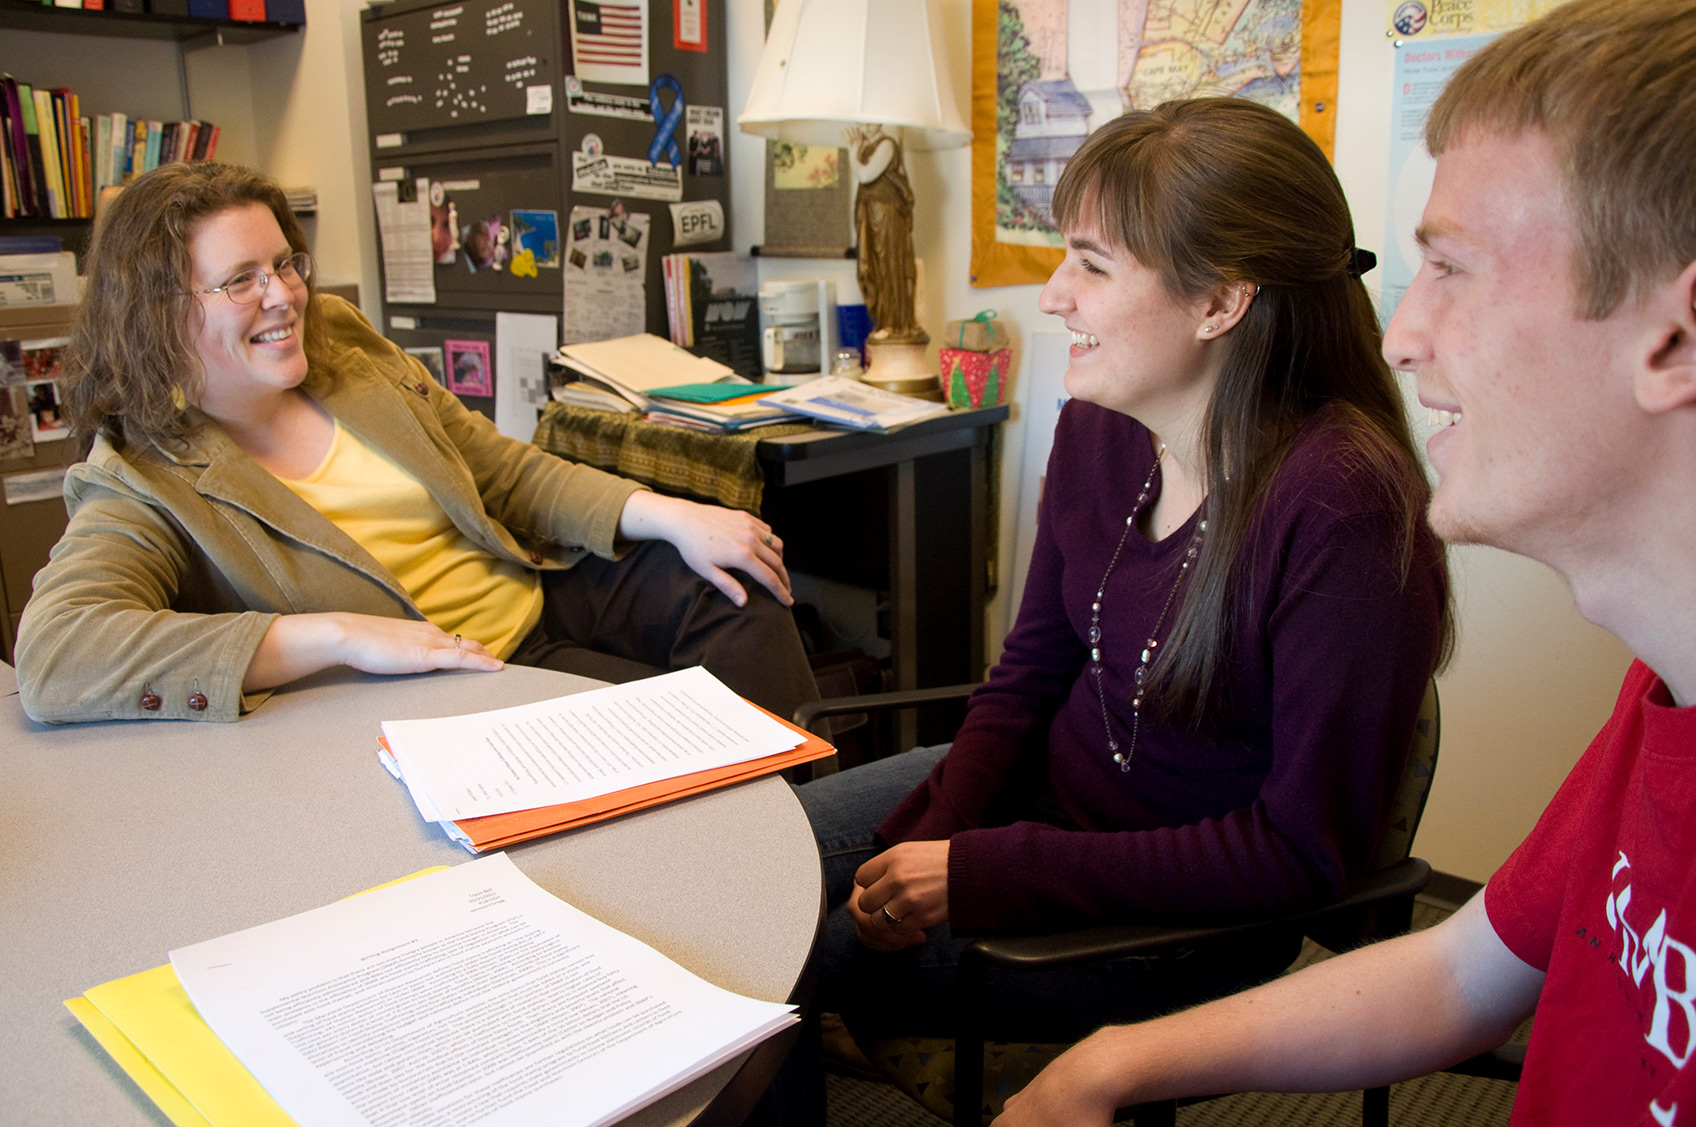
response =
{"points": [[124, 840]]}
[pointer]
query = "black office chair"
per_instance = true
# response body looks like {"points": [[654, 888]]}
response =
{"points": [[1380, 907]]}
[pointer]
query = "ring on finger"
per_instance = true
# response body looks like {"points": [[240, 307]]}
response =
{"points": [[767, 539], [889, 919], [457, 642]]}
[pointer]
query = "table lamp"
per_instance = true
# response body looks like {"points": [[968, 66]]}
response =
{"points": [[868, 74]]}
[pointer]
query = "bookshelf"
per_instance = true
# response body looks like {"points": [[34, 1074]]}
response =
{"points": [[22, 15], [115, 61]]}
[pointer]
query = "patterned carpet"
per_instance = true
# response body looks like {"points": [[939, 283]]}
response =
{"points": [[1460, 1101]]}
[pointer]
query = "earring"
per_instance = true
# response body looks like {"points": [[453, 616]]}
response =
{"points": [[1209, 328]]}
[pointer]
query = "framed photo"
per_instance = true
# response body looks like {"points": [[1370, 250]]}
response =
{"points": [[432, 359], [469, 371]]}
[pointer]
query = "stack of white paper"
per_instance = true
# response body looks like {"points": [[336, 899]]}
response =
{"points": [[577, 747], [466, 996]]}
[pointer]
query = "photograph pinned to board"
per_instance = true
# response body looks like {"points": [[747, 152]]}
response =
{"points": [[706, 140], [444, 225], [47, 419], [469, 371], [609, 41], [42, 359], [17, 435], [487, 243], [535, 240], [605, 273], [432, 359]]}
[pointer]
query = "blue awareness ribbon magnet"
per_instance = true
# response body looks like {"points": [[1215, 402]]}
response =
{"points": [[664, 144]]}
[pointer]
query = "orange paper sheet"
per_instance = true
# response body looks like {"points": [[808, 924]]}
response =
{"points": [[497, 831]]}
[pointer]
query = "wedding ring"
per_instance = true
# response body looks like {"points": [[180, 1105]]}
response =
{"points": [[456, 642], [889, 919], [767, 539]]}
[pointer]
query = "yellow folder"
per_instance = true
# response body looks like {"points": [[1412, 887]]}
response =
{"points": [[150, 1028]]}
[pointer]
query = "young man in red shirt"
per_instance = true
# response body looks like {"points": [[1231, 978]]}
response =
{"points": [[1554, 320]]}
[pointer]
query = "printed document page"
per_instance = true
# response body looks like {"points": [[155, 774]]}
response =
{"points": [[580, 746], [469, 996]]}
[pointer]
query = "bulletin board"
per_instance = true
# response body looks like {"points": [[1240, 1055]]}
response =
{"points": [[542, 157], [1038, 86]]}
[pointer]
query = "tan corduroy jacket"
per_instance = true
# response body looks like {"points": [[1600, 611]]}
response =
{"points": [[176, 562]]}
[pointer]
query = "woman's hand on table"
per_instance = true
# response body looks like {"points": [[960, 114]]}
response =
{"points": [[907, 883], [711, 539], [299, 644]]}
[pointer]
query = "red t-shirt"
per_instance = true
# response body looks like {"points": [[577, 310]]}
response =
{"points": [[1602, 897]]}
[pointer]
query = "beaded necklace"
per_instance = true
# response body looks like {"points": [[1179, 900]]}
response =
{"points": [[1123, 758]]}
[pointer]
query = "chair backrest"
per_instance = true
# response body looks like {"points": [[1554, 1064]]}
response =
{"points": [[1409, 804]]}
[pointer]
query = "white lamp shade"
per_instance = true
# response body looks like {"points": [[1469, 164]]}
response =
{"points": [[829, 64]]}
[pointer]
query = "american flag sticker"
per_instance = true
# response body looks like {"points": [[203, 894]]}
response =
{"points": [[609, 41]]}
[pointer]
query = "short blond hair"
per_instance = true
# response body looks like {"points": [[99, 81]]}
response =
{"points": [[1612, 83]]}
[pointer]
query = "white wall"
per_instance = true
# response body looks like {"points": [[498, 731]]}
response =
{"points": [[308, 97], [1531, 681]]}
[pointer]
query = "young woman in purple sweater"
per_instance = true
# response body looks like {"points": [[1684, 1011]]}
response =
{"points": [[1232, 612]]}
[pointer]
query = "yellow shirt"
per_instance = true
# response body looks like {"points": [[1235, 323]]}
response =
{"points": [[457, 585]]}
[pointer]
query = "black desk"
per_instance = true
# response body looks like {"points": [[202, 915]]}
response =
{"points": [[907, 513]]}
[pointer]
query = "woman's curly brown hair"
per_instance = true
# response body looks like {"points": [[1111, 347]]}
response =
{"points": [[132, 368]]}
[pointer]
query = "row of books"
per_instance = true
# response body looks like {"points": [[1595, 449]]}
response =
{"points": [[55, 162], [247, 11], [712, 307]]}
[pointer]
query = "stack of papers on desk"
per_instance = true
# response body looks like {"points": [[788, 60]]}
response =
{"points": [[616, 375], [464, 995], [850, 403], [718, 408], [490, 779]]}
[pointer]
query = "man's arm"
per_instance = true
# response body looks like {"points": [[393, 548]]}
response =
{"points": [[1381, 1014]]}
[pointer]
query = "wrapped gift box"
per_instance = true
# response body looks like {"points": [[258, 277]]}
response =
{"points": [[975, 379]]}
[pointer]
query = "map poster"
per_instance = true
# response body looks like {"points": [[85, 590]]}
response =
{"points": [[1046, 73]]}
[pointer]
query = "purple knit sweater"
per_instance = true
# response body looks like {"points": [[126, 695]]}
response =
{"points": [[1280, 806]]}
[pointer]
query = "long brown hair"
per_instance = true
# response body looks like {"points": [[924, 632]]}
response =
{"points": [[1223, 190], [132, 367]]}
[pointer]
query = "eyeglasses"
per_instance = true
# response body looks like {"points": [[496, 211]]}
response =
{"points": [[245, 288]]}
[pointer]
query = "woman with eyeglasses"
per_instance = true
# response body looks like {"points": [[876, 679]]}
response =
{"points": [[271, 488]]}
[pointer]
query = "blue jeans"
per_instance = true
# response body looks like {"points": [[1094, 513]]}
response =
{"points": [[912, 991]]}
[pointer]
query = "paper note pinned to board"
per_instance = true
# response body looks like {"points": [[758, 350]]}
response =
{"points": [[403, 229], [523, 342]]}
